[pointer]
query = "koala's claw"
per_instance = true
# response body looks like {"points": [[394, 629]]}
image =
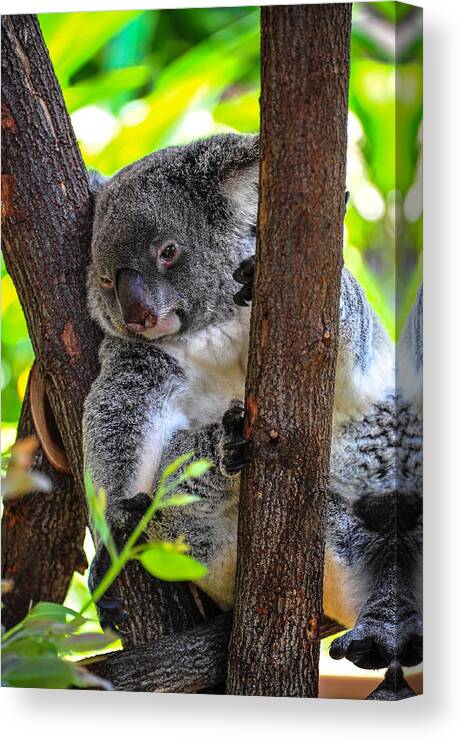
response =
{"points": [[244, 274], [111, 614], [375, 644], [109, 607], [233, 420], [235, 447]]}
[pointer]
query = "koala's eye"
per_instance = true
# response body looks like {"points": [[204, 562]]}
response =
{"points": [[168, 254], [106, 283]]}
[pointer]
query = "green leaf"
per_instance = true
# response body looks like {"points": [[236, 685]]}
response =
{"points": [[196, 469], [97, 506], [50, 612], [175, 465], [29, 646], [42, 672], [163, 560], [178, 500], [48, 672], [86, 642], [84, 679]]}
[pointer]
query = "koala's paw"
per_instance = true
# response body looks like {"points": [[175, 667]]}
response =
{"points": [[244, 275], [234, 446], [376, 642], [122, 519], [110, 612]]}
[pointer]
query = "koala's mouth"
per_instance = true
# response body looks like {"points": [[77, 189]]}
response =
{"points": [[155, 328]]}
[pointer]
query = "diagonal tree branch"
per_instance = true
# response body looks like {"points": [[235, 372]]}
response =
{"points": [[185, 662]]}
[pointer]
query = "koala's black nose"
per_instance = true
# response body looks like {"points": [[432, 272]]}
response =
{"points": [[135, 302]]}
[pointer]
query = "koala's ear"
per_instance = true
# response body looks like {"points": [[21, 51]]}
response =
{"points": [[97, 181], [239, 179]]}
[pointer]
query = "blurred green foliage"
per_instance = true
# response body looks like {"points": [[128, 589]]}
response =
{"points": [[135, 81]]}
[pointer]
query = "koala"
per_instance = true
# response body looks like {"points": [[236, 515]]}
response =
{"points": [[170, 284]]}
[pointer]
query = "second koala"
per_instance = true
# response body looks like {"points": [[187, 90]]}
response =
{"points": [[169, 233]]}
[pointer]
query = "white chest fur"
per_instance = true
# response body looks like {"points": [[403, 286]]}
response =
{"points": [[214, 365]]}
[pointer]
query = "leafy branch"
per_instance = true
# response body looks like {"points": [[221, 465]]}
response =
{"points": [[163, 559], [35, 651]]}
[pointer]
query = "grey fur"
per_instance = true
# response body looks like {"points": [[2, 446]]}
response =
{"points": [[156, 399]]}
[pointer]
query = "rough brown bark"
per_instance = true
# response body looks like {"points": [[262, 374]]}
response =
{"points": [[185, 662], [42, 537], [46, 222], [46, 226], [294, 331], [46, 230]]}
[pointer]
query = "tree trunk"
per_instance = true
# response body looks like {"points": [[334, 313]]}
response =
{"points": [[42, 536], [274, 647], [46, 231]]}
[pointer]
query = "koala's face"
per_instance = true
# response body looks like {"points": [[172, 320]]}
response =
{"points": [[168, 233]]}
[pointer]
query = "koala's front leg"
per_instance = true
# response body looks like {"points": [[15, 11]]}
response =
{"points": [[127, 419]]}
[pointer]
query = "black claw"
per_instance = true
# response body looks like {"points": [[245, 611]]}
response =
{"points": [[240, 299], [232, 421], [233, 445], [394, 686], [106, 603], [112, 619], [109, 607], [233, 469], [244, 274]]}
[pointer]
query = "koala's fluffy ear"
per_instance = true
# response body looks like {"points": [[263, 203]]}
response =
{"points": [[97, 181], [230, 163], [239, 178]]}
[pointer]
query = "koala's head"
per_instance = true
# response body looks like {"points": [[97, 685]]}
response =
{"points": [[169, 230]]}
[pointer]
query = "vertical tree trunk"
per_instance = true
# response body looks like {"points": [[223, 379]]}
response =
{"points": [[274, 647], [42, 537], [46, 231]]}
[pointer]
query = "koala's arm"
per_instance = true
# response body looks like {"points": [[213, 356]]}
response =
{"points": [[127, 420], [132, 432]]}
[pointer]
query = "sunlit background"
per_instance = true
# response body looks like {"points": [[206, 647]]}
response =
{"points": [[136, 81]]}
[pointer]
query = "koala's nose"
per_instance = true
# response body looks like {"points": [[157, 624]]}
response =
{"points": [[135, 302]]}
